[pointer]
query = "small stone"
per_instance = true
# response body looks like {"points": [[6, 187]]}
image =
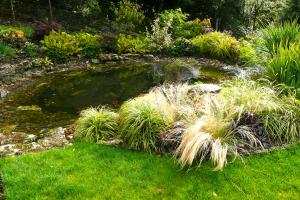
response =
{"points": [[95, 61], [205, 88], [30, 138]]}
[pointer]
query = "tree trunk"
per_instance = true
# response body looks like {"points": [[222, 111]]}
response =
{"points": [[50, 10], [12, 10]]}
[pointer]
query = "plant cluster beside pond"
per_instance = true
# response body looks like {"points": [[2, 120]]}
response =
{"points": [[198, 121]]}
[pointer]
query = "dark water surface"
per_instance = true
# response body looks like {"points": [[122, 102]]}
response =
{"points": [[56, 100]]}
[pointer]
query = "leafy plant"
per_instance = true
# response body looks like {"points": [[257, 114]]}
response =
{"points": [[89, 44], [129, 16], [41, 62], [131, 44], [96, 124], [30, 49], [217, 45], [60, 46], [180, 47], [180, 27], [160, 37], [7, 50]]}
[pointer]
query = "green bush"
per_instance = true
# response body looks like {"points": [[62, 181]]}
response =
{"points": [[60, 46], [89, 44], [225, 47], [217, 45], [131, 44], [41, 62], [96, 124], [180, 47], [141, 124], [284, 66], [247, 53], [7, 50], [180, 27], [25, 29], [275, 35], [14, 38], [129, 16], [30, 49]]}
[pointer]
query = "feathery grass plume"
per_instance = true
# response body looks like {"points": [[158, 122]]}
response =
{"points": [[141, 123], [215, 133], [95, 124], [179, 101]]}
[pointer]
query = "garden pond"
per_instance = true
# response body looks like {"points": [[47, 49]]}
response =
{"points": [[56, 100]]}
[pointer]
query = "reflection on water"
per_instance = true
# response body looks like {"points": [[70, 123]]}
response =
{"points": [[56, 100]]}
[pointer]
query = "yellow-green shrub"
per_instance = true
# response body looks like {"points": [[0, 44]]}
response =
{"points": [[131, 44]]}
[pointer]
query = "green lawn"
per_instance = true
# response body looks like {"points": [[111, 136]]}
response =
{"points": [[90, 171]]}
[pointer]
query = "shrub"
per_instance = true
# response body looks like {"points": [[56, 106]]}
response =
{"points": [[60, 46], [222, 46], [129, 16], [25, 29], [180, 27], [284, 66], [159, 37], [131, 44], [30, 49], [217, 45], [89, 44], [7, 50], [180, 47], [15, 38], [247, 53], [96, 124], [141, 124], [41, 62], [275, 35]]}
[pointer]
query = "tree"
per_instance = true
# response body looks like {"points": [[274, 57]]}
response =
{"points": [[12, 10]]}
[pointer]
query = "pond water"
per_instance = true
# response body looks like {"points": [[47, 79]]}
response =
{"points": [[56, 100]]}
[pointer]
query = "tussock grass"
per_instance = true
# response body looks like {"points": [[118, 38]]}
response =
{"points": [[96, 124], [141, 124], [276, 35]]}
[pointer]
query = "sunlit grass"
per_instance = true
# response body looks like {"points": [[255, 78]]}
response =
{"points": [[90, 171]]}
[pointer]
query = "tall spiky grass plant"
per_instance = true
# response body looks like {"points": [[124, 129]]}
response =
{"points": [[96, 124], [275, 35], [284, 67], [141, 123]]}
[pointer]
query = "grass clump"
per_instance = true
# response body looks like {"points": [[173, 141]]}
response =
{"points": [[96, 124], [222, 46], [284, 66], [7, 50], [277, 36], [141, 123], [217, 131]]}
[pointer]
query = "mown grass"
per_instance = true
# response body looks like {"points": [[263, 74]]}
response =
{"points": [[90, 171], [26, 29]]}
